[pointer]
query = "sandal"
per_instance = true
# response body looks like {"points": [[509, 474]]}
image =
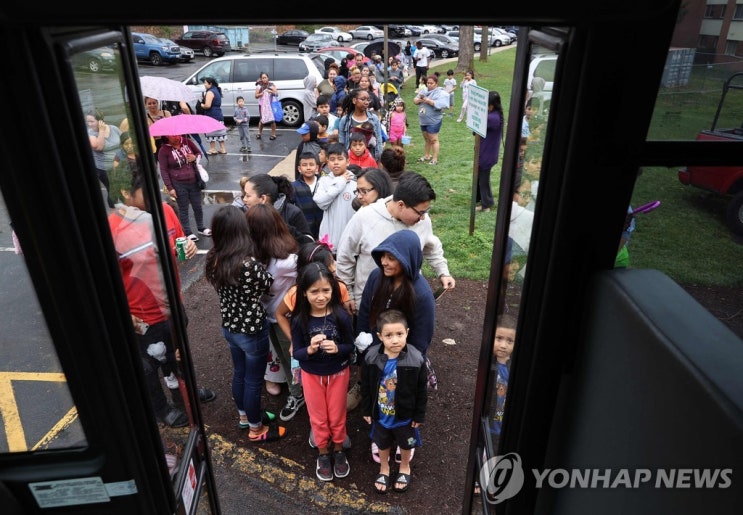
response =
{"points": [[433, 162], [222, 152], [272, 137], [267, 417], [269, 434], [257, 136], [405, 479], [382, 480], [212, 152], [423, 159]]}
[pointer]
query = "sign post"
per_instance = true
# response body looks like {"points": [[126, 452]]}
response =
{"points": [[477, 121]]}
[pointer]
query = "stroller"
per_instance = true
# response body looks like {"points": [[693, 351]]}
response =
{"points": [[389, 94]]}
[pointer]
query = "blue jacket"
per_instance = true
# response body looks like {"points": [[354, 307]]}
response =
{"points": [[340, 93], [406, 247]]}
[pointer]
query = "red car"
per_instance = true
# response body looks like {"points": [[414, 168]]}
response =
{"points": [[726, 180], [339, 52]]}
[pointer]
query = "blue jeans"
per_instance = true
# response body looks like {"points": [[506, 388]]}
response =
{"points": [[249, 356]]}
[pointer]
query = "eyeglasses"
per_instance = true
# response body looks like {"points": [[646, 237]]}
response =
{"points": [[362, 191], [420, 214]]}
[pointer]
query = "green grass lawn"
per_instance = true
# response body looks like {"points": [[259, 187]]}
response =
{"points": [[685, 237]]}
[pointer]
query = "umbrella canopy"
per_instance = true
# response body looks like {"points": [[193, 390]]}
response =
{"points": [[185, 124], [378, 48], [163, 88]]}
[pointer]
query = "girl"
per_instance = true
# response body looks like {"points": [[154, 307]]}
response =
{"points": [[264, 92], [240, 281], [212, 105], [276, 249], [469, 80], [355, 112], [322, 341], [398, 122]]}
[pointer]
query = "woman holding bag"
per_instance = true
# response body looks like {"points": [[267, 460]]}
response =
{"points": [[212, 105], [265, 91]]}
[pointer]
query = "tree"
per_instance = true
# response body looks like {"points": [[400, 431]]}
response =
{"points": [[484, 43], [466, 59]]}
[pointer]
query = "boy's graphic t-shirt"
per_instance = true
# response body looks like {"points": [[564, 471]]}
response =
{"points": [[386, 397], [501, 389]]}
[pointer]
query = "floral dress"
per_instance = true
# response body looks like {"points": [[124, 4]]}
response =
{"points": [[264, 105]]}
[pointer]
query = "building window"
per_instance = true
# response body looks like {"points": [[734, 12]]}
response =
{"points": [[734, 48], [715, 11], [738, 14], [707, 43]]}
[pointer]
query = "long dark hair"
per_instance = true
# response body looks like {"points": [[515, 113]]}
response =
{"points": [[309, 275], [270, 185], [271, 236], [231, 246], [386, 296]]}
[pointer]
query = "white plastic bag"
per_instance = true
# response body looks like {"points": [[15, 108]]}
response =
{"points": [[202, 171]]}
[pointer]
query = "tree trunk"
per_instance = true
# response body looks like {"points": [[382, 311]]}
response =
{"points": [[484, 43], [466, 59]]}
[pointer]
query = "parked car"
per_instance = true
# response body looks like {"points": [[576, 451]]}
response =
{"points": [[237, 75], [292, 37], [338, 34], [96, 60], [503, 32], [444, 39], [439, 48], [498, 39], [454, 34], [151, 49], [415, 30], [186, 54], [398, 31], [316, 41], [339, 52], [366, 32], [208, 42], [430, 29]]}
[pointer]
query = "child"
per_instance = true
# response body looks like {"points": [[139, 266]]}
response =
{"points": [[242, 120], [323, 108], [505, 336], [359, 151], [398, 122], [334, 195], [322, 342], [308, 131], [394, 371], [322, 133], [422, 88], [305, 187], [469, 80], [450, 84]]}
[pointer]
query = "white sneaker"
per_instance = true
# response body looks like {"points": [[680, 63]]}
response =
{"points": [[171, 381], [193, 237]]}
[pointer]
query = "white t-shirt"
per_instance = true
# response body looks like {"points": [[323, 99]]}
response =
{"points": [[422, 55]]}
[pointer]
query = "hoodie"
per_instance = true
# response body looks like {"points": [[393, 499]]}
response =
{"points": [[309, 99], [405, 246], [340, 93]]}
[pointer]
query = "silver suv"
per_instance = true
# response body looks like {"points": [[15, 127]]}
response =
{"points": [[237, 75]]}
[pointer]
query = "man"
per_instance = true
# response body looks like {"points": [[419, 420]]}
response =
{"points": [[422, 59], [407, 208]]}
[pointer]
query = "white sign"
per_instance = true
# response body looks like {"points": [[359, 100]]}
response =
{"points": [[477, 110], [69, 492]]}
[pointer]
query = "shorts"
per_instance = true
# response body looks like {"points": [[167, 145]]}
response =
{"points": [[406, 437], [432, 129], [451, 100]]}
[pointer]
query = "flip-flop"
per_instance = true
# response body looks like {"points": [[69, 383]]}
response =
{"points": [[206, 395], [272, 137], [271, 434], [257, 136], [423, 159], [267, 417], [404, 479], [382, 480], [212, 153]]}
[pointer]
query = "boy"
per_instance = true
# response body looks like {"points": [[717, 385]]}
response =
{"points": [[450, 84], [334, 194], [304, 187], [359, 151], [323, 108], [505, 336], [242, 120], [322, 133], [392, 371]]}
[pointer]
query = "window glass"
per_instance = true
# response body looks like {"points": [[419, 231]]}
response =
{"points": [[289, 69]]}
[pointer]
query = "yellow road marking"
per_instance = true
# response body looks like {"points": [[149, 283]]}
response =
{"points": [[9, 408]]}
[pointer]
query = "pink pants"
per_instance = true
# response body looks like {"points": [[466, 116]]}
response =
{"points": [[326, 405]]}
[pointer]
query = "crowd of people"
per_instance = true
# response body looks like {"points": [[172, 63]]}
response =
{"points": [[321, 275]]}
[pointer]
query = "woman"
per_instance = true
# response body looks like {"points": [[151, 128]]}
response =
{"points": [[489, 151], [432, 103], [393, 162], [154, 112], [336, 100], [264, 92], [240, 280], [177, 160], [371, 185], [276, 249], [366, 85], [354, 76], [104, 140], [355, 113], [212, 105], [267, 189], [326, 86]]}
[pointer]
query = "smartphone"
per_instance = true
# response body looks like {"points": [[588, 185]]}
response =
{"points": [[439, 292]]}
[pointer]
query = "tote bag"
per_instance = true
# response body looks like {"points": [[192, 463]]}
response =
{"points": [[278, 111]]}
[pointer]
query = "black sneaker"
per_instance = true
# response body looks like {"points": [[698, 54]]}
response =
{"points": [[341, 468], [324, 471], [291, 407]]}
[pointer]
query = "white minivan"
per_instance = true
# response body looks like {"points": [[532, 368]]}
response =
{"points": [[237, 75], [543, 66]]}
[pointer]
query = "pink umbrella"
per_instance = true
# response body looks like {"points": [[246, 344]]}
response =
{"points": [[185, 124]]}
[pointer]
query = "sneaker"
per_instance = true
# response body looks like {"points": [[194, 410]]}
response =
{"points": [[193, 237], [205, 231], [341, 468], [171, 381], [459, 120], [291, 407], [324, 470], [346, 442], [354, 397]]}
